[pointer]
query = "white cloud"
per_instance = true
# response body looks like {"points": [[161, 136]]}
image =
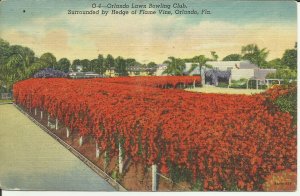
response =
{"points": [[146, 37]]}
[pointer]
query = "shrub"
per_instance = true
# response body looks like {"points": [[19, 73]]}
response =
{"points": [[285, 97], [222, 85]]}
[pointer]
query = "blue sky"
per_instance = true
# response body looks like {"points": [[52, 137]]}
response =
{"points": [[45, 27]]}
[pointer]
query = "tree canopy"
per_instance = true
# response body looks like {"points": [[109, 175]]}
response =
{"points": [[255, 55], [175, 66], [289, 58], [233, 57]]}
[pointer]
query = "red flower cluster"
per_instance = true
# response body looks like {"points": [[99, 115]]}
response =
{"points": [[224, 140], [280, 90], [156, 81]]}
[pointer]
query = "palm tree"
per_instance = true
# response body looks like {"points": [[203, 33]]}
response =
{"points": [[255, 55], [214, 55], [201, 60], [174, 66], [49, 59]]}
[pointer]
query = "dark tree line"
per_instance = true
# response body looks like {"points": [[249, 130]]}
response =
{"points": [[19, 63]]}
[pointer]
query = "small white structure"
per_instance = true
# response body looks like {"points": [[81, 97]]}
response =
{"points": [[84, 75], [79, 68], [160, 69]]}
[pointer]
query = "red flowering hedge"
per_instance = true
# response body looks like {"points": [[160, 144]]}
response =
{"points": [[280, 90], [224, 141], [155, 81]]}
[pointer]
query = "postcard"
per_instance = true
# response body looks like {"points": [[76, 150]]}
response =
{"points": [[148, 95]]}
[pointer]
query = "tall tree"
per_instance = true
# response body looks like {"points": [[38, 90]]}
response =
{"points": [[4, 51], [201, 60], [289, 58], [175, 66], [232, 57], [86, 66], [49, 59], [214, 55], [94, 64], [64, 65], [120, 66], [16, 65], [151, 68], [75, 63], [100, 68], [275, 63], [130, 62], [109, 63], [255, 55]]}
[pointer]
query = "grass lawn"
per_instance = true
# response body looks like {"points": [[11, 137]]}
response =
{"points": [[213, 89], [6, 100]]}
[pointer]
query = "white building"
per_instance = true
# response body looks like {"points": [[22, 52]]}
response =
{"points": [[238, 69]]}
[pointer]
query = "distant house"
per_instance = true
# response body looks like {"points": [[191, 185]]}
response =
{"points": [[110, 72], [140, 70], [79, 68], [84, 75]]}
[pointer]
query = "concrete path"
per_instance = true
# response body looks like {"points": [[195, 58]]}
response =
{"points": [[32, 160]]}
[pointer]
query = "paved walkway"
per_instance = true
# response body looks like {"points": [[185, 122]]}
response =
{"points": [[32, 160]]}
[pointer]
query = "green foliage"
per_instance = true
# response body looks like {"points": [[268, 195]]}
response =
{"points": [[63, 65], [289, 58], [5, 52], [233, 57], [222, 85], [115, 175], [120, 66], [214, 55], [86, 65], [152, 68], [197, 186], [283, 74], [255, 55], [175, 66], [49, 59], [99, 67], [19, 63], [275, 63], [109, 63], [288, 103], [201, 60], [130, 62], [15, 63], [179, 174], [74, 64], [242, 83]]}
